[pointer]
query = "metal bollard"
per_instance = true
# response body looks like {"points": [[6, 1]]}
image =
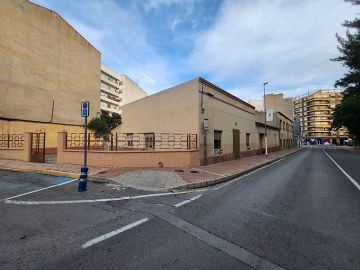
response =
{"points": [[82, 180]]}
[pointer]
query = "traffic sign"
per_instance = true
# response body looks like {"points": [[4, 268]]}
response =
{"points": [[85, 108]]}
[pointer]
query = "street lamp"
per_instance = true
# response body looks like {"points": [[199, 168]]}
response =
{"points": [[266, 149]]}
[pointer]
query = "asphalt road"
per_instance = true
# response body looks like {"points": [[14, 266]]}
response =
{"points": [[299, 213]]}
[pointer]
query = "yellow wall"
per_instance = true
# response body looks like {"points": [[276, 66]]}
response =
{"points": [[172, 159], [178, 110], [51, 130], [272, 136], [225, 114], [131, 91], [174, 110], [278, 103], [46, 67]]}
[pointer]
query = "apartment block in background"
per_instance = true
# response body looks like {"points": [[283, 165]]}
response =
{"points": [[117, 90], [315, 112], [109, 90]]}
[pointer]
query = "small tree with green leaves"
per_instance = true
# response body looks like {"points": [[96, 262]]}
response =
{"points": [[99, 127], [112, 121]]}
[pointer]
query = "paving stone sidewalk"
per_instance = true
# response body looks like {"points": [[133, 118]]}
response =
{"points": [[154, 178], [66, 170], [175, 178]]}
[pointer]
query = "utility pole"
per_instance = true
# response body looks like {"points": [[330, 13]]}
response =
{"points": [[266, 142]]}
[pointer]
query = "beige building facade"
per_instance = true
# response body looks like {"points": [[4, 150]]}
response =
{"points": [[275, 102], [283, 117], [224, 124], [278, 103], [131, 91], [117, 90], [46, 70]]}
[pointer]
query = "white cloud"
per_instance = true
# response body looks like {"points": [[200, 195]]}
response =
{"points": [[174, 23], [288, 43]]}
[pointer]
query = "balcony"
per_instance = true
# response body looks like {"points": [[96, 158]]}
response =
{"points": [[111, 81], [105, 107], [109, 89], [109, 99]]}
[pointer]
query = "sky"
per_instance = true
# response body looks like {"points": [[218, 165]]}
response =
{"points": [[235, 44]]}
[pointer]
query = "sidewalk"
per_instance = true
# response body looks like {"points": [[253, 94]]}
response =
{"points": [[174, 178], [155, 179], [65, 170]]}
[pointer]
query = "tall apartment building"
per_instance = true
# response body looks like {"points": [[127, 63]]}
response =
{"points": [[117, 90], [315, 111], [109, 90]]}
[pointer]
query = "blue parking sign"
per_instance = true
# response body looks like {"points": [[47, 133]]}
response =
{"points": [[85, 108]]}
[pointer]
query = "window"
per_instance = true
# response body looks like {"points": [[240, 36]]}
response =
{"points": [[217, 139], [248, 140]]}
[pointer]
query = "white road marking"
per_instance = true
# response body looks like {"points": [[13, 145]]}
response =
{"points": [[197, 169], [247, 174], [95, 200], [30, 192], [187, 201], [113, 233], [343, 171]]}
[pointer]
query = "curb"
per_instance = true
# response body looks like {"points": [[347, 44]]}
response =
{"points": [[42, 171], [219, 180], [91, 177]]}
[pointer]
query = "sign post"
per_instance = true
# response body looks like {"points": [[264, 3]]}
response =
{"points": [[85, 110]]}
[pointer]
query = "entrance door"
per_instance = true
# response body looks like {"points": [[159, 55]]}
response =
{"points": [[236, 143], [37, 147]]}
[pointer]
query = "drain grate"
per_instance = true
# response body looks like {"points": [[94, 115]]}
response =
{"points": [[194, 171]]}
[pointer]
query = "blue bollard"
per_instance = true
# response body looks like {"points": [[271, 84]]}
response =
{"points": [[82, 180]]}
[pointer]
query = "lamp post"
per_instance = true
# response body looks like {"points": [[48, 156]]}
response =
{"points": [[266, 149]]}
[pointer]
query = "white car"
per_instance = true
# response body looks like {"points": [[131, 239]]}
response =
{"points": [[326, 143]]}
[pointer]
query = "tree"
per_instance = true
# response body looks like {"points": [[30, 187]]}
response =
{"points": [[103, 125], [112, 121], [347, 113], [99, 127]]}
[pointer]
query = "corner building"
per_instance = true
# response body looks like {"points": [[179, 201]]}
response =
{"points": [[224, 124]]}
